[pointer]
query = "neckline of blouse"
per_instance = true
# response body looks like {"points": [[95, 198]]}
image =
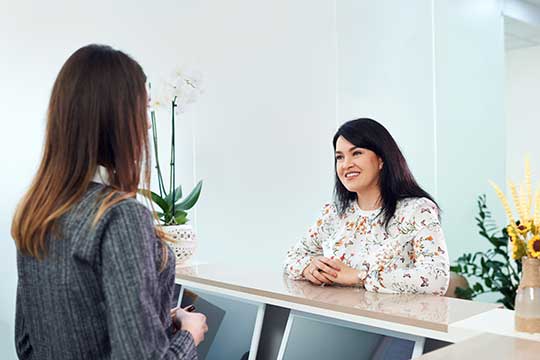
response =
{"points": [[367, 213]]}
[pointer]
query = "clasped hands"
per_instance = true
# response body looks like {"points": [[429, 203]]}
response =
{"points": [[323, 270]]}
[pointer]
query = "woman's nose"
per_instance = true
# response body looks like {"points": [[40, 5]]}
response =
{"points": [[346, 163]]}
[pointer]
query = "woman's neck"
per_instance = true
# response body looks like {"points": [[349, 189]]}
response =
{"points": [[369, 199]]}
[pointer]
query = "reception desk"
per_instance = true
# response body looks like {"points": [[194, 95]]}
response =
{"points": [[281, 301]]}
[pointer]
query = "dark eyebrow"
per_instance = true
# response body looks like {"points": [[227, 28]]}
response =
{"points": [[350, 149]]}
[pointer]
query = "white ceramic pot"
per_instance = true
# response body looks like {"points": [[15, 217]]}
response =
{"points": [[184, 243]]}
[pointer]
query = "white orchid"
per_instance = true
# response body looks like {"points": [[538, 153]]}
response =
{"points": [[183, 87], [174, 95], [160, 97]]}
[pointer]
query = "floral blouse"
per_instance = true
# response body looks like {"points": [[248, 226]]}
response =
{"points": [[408, 256]]}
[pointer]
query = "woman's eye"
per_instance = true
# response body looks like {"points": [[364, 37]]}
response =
{"points": [[339, 157], [356, 153]]}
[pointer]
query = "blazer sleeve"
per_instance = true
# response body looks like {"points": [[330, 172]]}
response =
{"points": [[23, 345], [430, 272], [130, 284], [300, 255]]}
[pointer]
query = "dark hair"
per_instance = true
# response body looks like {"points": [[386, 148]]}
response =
{"points": [[97, 116], [396, 180]]}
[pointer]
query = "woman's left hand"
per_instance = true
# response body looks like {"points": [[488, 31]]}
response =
{"points": [[346, 275]]}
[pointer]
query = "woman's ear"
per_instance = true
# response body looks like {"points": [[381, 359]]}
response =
{"points": [[381, 163]]}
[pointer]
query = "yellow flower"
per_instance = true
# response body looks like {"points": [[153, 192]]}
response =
{"points": [[518, 249], [511, 230], [524, 227], [533, 247]]}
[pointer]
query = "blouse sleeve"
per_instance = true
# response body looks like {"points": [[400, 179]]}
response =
{"points": [[300, 255], [430, 272]]}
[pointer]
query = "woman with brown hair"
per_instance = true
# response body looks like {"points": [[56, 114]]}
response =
{"points": [[95, 277]]}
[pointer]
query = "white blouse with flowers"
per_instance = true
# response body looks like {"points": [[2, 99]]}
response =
{"points": [[407, 256]]}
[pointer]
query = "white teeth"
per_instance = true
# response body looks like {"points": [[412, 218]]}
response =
{"points": [[352, 174]]}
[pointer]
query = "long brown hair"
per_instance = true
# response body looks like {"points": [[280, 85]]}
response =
{"points": [[97, 116]]}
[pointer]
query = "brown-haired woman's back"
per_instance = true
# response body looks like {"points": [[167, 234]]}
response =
{"points": [[95, 281], [98, 293]]}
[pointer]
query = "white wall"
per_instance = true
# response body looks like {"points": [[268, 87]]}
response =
{"points": [[263, 139], [385, 67], [522, 111], [471, 140]]}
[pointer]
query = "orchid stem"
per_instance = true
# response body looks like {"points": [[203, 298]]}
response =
{"points": [[156, 154], [173, 174]]}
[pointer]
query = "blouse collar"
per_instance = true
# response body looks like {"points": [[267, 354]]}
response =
{"points": [[101, 176]]}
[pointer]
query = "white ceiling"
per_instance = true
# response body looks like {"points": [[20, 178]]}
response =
{"points": [[518, 34]]}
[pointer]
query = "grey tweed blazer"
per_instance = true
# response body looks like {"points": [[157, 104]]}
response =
{"points": [[99, 294]]}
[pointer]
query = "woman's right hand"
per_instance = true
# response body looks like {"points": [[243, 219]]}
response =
{"points": [[194, 323], [321, 270]]}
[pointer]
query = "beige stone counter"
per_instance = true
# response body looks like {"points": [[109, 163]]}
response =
{"points": [[421, 311], [488, 346]]}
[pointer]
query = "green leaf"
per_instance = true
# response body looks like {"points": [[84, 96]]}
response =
{"points": [[160, 202], [155, 198], [464, 293], [180, 217], [177, 195], [478, 288], [191, 199], [180, 213]]}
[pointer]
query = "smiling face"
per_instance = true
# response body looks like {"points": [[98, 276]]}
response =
{"points": [[357, 168]]}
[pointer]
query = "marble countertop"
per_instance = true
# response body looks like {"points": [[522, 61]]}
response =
{"points": [[423, 311], [488, 346]]}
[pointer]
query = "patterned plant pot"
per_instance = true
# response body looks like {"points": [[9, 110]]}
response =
{"points": [[184, 243]]}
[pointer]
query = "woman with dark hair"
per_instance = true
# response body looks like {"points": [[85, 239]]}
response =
{"points": [[383, 231], [95, 277]]}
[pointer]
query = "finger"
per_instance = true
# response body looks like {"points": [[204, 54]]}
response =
{"points": [[333, 263], [308, 269], [312, 279], [329, 277], [321, 277], [336, 263], [325, 268]]}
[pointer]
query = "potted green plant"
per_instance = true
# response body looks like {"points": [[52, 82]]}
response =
{"points": [[494, 270], [172, 212]]}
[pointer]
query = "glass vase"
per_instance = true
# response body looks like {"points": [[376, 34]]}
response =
{"points": [[527, 307]]}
